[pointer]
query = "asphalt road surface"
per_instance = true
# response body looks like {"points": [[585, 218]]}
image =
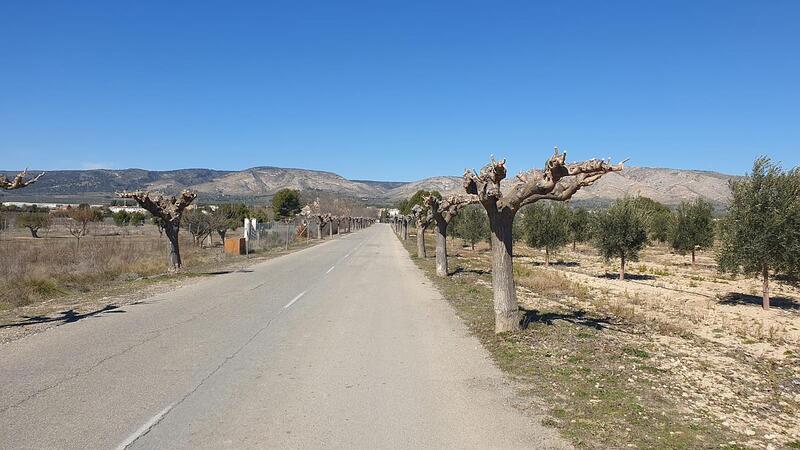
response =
{"points": [[342, 345]]}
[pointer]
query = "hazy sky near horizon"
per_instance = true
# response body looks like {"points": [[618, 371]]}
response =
{"points": [[397, 90]]}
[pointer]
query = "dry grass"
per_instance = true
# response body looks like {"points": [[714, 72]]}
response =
{"points": [[33, 270]]}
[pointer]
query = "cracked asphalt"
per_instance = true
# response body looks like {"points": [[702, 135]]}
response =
{"points": [[342, 345]]}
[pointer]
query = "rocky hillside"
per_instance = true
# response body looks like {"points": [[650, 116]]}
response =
{"points": [[669, 186]]}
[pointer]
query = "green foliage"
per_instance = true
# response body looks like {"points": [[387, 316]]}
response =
{"points": [[137, 218], [121, 218], [546, 226], [417, 199], [762, 230], [471, 224], [230, 216], [621, 231], [286, 203], [33, 221], [579, 225], [658, 218], [261, 214], [692, 227]]}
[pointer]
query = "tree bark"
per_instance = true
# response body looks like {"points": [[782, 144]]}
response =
{"points": [[34, 232], [692, 257], [546, 257], [765, 291], [441, 248], [171, 231], [506, 311], [421, 242], [622, 267]]}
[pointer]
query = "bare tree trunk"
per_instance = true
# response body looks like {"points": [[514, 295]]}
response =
{"points": [[319, 230], [765, 291], [405, 230], [171, 231], [34, 232], [506, 311], [441, 248], [622, 267], [421, 242], [286, 246], [546, 257], [330, 229], [692, 257]]}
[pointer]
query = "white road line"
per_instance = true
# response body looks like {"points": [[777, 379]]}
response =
{"points": [[144, 428], [345, 256], [295, 299], [329, 270]]}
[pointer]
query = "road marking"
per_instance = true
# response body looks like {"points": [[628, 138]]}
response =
{"points": [[329, 270], [144, 428], [345, 256], [295, 299]]}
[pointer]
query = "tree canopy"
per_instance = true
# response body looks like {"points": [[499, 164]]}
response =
{"points": [[286, 203], [761, 233], [692, 227], [547, 227], [621, 232], [417, 199], [471, 224]]}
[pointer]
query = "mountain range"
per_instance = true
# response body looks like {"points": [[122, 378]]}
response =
{"points": [[258, 184]]}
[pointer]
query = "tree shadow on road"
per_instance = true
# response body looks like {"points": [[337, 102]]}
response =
{"points": [[68, 316]]}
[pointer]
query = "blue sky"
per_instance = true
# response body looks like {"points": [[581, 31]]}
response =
{"points": [[397, 90]]}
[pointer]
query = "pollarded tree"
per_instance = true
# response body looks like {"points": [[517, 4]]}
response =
{"points": [[579, 226], [443, 211], [761, 234], [621, 232], [557, 181], [471, 225], [546, 226], [423, 218], [692, 227], [286, 203], [169, 210], [19, 181]]}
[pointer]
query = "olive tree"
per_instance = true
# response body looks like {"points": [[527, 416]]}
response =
{"points": [[169, 210], [761, 234], [471, 225], [33, 221], [557, 181], [579, 226], [621, 232], [692, 227], [546, 226]]}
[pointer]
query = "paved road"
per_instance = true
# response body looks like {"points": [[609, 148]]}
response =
{"points": [[342, 345]]}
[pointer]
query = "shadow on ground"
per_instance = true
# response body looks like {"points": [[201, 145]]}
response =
{"points": [[738, 298], [475, 271], [628, 276], [577, 317], [68, 316]]}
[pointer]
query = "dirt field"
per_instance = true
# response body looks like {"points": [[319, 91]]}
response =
{"points": [[697, 344]]}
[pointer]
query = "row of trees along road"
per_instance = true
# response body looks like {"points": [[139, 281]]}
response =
{"points": [[760, 235]]}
